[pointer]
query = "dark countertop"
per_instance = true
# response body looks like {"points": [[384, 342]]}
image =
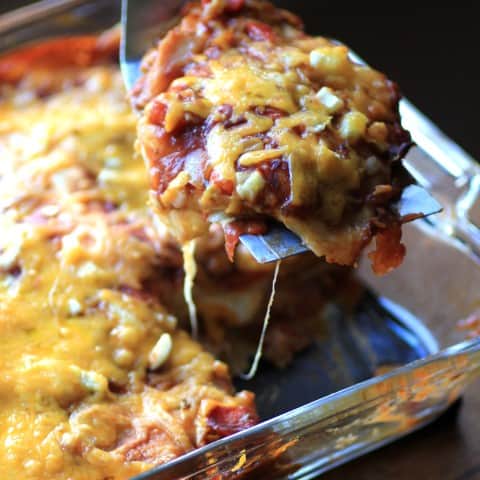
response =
{"points": [[432, 52]]}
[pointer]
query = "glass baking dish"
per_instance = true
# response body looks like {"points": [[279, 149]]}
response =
{"points": [[390, 368]]}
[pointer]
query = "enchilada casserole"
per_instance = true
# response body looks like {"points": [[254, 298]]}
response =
{"points": [[246, 119]]}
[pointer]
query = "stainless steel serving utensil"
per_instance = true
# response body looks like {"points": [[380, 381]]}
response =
{"points": [[143, 22], [280, 243]]}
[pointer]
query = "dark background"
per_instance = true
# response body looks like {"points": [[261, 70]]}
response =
{"points": [[432, 51]]}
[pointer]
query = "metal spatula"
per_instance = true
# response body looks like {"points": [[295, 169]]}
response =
{"points": [[143, 22], [280, 243]]}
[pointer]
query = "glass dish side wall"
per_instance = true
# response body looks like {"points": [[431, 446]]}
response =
{"points": [[328, 432], [437, 283]]}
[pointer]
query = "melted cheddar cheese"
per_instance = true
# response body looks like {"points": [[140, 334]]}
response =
{"points": [[96, 380], [246, 117]]}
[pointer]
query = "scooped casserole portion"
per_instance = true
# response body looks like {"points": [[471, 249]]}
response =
{"points": [[97, 380], [247, 119]]}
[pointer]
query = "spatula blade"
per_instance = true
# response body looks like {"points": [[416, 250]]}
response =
{"points": [[279, 243]]}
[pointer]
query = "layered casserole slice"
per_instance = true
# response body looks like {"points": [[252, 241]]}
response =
{"points": [[97, 380], [247, 119]]}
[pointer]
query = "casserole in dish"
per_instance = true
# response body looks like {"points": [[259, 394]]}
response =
{"points": [[315, 436]]}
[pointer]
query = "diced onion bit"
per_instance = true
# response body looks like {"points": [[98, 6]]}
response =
{"points": [[329, 100], [160, 352], [353, 126], [331, 60], [74, 306], [93, 381]]}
